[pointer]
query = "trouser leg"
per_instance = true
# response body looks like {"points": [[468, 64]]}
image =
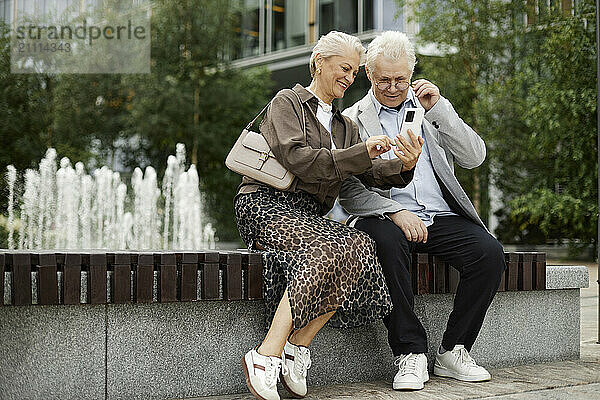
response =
{"points": [[405, 332], [479, 257]]}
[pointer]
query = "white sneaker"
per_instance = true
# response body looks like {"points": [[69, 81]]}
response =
{"points": [[412, 372], [297, 363], [262, 373], [458, 364]]}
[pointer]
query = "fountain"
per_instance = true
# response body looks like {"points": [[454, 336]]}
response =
{"points": [[66, 208]]}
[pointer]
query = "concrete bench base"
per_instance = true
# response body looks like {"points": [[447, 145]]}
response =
{"points": [[175, 350]]}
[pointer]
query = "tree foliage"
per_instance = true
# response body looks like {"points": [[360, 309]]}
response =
{"points": [[191, 96], [529, 90], [550, 179]]}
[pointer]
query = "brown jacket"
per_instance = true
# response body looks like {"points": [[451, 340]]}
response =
{"points": [[319, 170]]}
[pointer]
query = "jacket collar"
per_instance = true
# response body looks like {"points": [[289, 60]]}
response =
{"points": [[306, 96], [368, 116]]}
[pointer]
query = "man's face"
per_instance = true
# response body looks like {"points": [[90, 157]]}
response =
{"points": [[389, 71]]}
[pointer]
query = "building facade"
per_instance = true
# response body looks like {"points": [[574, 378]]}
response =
{"points": [[280, 34]]}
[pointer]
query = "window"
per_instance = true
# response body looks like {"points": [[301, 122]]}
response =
{"points": [[250, 28], [390, 21], [289, 22], [368, 15], [339, 15], [5, 11]]}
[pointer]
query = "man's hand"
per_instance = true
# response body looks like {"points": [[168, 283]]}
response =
{"points": [[408, 152], [414, 229], [427, 93]]}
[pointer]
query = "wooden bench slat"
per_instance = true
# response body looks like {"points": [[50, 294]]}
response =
{"points": [[47, 279], [540, 271], [121, 284], [208, 257], [422, 273], [439, 275], [97, 279], [190, 258], [121, 278], [210, 281], [189, 277], [231, 265], [21, 279], [250, 257], [525, 271], [251, 274], [168, 278], [71, 287], [512, 259], [144, 278], [255, 281]]}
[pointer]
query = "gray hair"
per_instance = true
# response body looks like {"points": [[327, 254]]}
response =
{"points": [[393, 44], [336, 44]]}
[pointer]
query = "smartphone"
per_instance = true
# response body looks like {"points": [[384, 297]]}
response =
{"points": [[413, 118]]}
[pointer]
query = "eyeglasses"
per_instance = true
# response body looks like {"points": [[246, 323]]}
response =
{"points": [[385, 85]]}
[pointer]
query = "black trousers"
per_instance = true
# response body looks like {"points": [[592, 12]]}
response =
{"points": [[468, 247]]}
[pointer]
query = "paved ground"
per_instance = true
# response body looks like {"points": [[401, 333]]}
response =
{"points": [[569, 380]]}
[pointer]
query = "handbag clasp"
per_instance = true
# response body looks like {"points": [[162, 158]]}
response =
{"points": [[263, 156]]}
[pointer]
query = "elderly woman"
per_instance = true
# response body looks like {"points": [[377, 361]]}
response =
{"points": [[317, 268]]}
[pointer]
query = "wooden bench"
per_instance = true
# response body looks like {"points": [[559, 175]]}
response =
{"points": [[47, 278]]}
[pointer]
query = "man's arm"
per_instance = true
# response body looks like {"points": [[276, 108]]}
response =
{"points": [[356, 199], [455, 135]]}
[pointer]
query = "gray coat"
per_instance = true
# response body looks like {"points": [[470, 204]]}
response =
{"points": [[449, 140]]}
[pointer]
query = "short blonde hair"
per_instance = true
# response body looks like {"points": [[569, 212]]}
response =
{"points": [[336, 44], [393, 44]]}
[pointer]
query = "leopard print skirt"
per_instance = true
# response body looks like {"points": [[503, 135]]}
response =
{"points": [[325, 266]]}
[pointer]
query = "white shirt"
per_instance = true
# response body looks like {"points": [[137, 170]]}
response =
{"points": [[324, 115]]}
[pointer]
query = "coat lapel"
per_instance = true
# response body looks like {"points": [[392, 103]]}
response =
{"points": [[367, 115]]}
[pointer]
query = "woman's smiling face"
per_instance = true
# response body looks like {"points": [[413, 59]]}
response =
{"points": [[337, 74]]}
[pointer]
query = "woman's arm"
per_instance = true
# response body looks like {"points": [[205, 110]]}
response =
{"points": [[282, 128], [385, 174]]}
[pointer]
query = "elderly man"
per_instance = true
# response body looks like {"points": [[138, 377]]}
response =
{"points": [[431, 215]]}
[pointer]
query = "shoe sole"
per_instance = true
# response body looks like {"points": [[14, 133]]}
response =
{"points": [[410, 386], [290, 391], [248, 380], [446, 373]]}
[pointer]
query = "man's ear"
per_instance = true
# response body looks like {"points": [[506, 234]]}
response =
{"points": [[368, 74]]}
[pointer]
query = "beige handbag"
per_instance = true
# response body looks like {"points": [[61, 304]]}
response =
{"points": [[251, 156]]}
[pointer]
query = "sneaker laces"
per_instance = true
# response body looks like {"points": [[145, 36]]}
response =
{"points": [[272, 368], [302, 362], [465, 358], [407, 364]]}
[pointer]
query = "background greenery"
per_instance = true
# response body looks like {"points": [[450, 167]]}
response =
{"points": [[192, 96], [529, 89]]}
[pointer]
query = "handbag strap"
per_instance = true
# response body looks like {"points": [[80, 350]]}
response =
{"points": [[269, 103]]}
